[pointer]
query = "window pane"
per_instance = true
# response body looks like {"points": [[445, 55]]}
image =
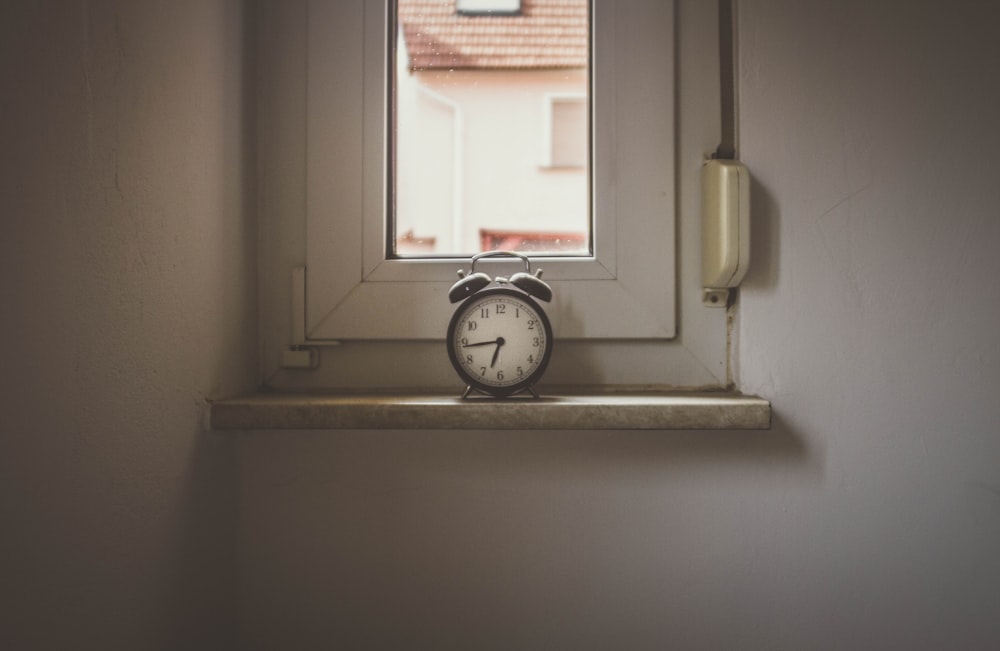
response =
{"points": [[491, 113]]}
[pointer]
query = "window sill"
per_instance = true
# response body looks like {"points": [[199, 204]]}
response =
{"points": [[562, 411]]}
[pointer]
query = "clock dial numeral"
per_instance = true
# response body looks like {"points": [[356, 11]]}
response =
{"points": [[472, 326]]}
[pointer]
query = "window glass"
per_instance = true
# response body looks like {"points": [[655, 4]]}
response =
{"points": [[481, 89]]}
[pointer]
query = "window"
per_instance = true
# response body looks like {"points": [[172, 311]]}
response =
{"points": [[606, 295], [566, 133], [620, 315]]}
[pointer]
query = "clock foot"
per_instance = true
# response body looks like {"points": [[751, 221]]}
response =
{"points": [[469, 389]]}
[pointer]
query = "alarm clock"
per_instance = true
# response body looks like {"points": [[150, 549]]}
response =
{"points": [[499, 338]]}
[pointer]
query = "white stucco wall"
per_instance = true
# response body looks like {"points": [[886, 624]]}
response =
{"points": [[126, 298], [868, 517], [502, 138]]}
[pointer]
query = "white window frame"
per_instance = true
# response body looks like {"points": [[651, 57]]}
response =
{"points": [[621, 317], [352, 285]]}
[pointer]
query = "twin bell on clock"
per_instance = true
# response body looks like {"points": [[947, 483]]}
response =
{"points": [[500, 339]]}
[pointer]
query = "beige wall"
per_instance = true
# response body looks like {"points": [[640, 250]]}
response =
{"points": [[126, 298]]}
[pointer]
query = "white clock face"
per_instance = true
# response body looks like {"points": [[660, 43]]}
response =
{"points": [[500, 341]]}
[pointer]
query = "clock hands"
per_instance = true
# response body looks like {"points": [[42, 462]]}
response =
{"points": [[499, 341]]}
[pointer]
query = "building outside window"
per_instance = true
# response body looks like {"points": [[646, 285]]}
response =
{"points": [[491, 110]]}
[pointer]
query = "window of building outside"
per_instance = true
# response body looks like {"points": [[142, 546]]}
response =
{"points": [[374, 291], [566, 140]]}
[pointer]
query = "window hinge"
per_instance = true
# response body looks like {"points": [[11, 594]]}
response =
{"points": [[299, 354], [298, 306]]}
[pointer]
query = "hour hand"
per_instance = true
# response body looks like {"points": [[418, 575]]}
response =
{"points": [[496, 353]]}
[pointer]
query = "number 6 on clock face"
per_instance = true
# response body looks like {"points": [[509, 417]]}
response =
{"points": [[499, 341]]}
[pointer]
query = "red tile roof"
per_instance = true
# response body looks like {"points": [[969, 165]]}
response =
{"points": [[546, 34]]}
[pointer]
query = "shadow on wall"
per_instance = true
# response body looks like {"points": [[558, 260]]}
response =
{"points": [[633, 453], [542, 539], [571, 358], [202, 541], [342, 457], [765, 238]]}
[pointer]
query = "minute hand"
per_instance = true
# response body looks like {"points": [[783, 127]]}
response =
{"points": [[497, 341]]}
